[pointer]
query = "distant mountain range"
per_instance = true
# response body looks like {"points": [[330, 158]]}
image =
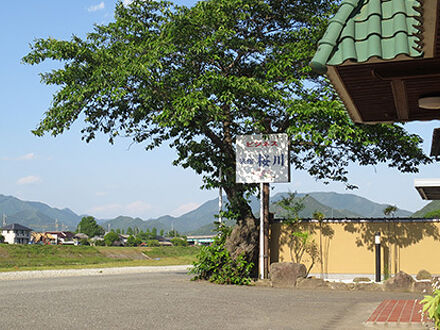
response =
{"points": [[41, 217], [432, 206], [36, 215]]}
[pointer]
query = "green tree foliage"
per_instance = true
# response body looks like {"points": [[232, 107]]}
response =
{"points": [[88, 226], [173, 233], [142, 236], [133, 241], [162, 232], [390, 210], [110, 238], [431, 304], [99, 242], [177, 241], [197, 77], [153, 233], [153, 242], [2, 238], [130, 231], [300, 241], [215, 263], [433, 214], [84, 241], [118, 231]]}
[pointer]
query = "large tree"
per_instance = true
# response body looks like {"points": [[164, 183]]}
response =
{"points": [[90, 227], [197, 77]]}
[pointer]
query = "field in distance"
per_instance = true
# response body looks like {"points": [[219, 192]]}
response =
{"points": [[40, 257]]}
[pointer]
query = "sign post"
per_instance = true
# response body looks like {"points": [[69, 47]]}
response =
{"points": [[263, 159]]}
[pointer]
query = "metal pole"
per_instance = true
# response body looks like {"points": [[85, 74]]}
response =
{"points": [[377, 244], [261, 256], [220, 198], [266, 193]]}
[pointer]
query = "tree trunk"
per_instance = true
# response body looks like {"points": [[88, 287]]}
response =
{"points": [[244, 237]]}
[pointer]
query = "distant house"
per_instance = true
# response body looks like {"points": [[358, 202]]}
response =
{"points": [[61, 237], [122, 240], [164, 241], [78, 237], [16, 234], [41, 238], [200, 239]]}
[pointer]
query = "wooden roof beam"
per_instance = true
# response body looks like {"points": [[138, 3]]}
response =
{"points": [[400, 99]]}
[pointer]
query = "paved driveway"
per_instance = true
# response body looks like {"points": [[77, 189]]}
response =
{"points": [[171, 301]]}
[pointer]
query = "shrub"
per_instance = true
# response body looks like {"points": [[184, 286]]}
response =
{"points": [[99, 242], [131, 241], [176, 241], [152, 242], [216, 265], [110, 238], [84, 241], [431, 304]]}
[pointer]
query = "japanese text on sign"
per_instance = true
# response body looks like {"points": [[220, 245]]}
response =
{"points": [[262, 158]]}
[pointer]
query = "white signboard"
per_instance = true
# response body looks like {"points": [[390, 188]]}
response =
{"points": [[262, 158]]}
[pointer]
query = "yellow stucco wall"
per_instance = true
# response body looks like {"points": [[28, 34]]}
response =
{"points": [[348, 247]]}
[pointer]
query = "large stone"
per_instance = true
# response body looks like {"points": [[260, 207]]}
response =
{"points": [[312, 284], [285, 274], [424, 287], [423, 275], [368, 287], [341, 286], [400, 282]]}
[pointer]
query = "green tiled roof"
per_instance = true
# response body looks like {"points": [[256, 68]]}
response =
{"points": [[362, 29]]}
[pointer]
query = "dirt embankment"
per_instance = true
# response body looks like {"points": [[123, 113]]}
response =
{"points": [[129, 254]]}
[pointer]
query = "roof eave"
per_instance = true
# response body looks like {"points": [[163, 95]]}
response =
{"points": [[340, 88]]}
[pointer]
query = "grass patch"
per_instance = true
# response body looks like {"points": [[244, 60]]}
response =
{"points": [[39, 257]]}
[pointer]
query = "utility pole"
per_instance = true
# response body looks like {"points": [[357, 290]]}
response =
{"points": [[266, 197], [220, 197], [264, 230]]}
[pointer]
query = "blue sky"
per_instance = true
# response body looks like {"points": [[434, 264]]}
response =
{"points": [[109, 180]]}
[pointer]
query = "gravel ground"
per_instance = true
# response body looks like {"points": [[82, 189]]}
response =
{"points": [[169, 300], [21, 275]]}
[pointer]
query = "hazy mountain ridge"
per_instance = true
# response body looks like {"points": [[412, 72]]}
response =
{"points": [[431, 206], [40, 216], [356, 204], [37, 215]]}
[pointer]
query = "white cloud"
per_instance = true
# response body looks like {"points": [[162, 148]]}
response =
{"points": [[29, 156], [97, 7], [31, 179], [184, 208], [126, 2]]}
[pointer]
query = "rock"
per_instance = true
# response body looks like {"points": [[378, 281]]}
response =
{"points": [[312, 283], [285, 274], [341, 286], [400, 282], [423, 275], [361, 279], [368, 287], [424, 287]]}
